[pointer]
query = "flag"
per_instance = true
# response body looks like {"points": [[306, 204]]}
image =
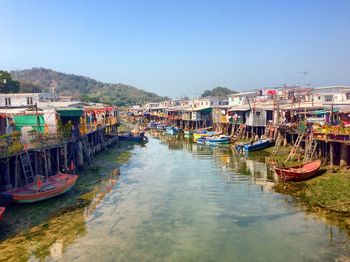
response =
{"points": [[39, 183], [72, 167]]}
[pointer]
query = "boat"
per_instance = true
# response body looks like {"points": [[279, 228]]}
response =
{"points": [[131, 137], [2, 211], [161, 127], [170, 130], [299, 172], [188, 133], [218, 140], [204, 133], [43, 189], [258, 145], [152, 125]]}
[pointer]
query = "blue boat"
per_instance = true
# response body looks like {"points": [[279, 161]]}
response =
{"points": [[130, 137], [170, 130], [212, 141], [161, 127], [258, 145], [218, 140]]}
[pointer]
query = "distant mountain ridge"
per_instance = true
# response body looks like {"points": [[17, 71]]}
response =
{"points": [[85, 88]]}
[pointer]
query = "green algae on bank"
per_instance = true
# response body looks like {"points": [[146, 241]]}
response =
{"points": [[327, 194]]}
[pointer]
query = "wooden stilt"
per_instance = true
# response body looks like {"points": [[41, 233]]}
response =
{"points": [[331, 154]]}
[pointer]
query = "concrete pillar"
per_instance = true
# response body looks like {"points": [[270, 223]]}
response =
{"points": [[344, 155]]}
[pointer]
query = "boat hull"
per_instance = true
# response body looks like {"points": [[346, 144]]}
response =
{"points": [[2, 211], [133, 138], [257, 145], [299, 173], [217, 142], [171, 131], [61, 182]]}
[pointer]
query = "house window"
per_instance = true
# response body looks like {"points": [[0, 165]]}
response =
{"points": [[201, 103], [219, 102], [319, 97], [328, 98], [29, 100], [211, 103], [347, 96], [7, 101], [206, 103]]}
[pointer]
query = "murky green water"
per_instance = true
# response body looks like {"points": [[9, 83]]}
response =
{"points": [[173, 201]]}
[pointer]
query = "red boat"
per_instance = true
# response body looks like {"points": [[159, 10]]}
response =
{"points": [[2, 211], [300, 172], [41, 190]]}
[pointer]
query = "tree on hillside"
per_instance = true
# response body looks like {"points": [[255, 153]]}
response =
{"points": [[218, 91], [7, 85]]}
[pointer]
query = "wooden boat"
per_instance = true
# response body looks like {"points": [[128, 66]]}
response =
{"points": [[188, 133], [300, 172], [152, 125], [2, 211], [212, 141], [204, 133], [258, 145], [38, 191], [161, 127], [130, 137], [218, 140]]}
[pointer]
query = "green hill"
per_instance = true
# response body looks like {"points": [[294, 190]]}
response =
{"points": [[223, 91], [85, 88]]}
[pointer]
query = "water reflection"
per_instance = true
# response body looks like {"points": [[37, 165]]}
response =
{"points": [[189, 203]]}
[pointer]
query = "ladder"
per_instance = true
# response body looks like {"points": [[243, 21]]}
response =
{"points": [[87, 150], [310, 148], [295, 147], [27, 167], [278, 143], [267, 130], [238, 134]]}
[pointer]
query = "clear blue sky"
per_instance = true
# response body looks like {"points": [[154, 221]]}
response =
{"points": [[181, 47]]}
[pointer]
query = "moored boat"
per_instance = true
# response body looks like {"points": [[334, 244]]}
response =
{"points": [[204, 133], [43, 189], [218, 140], [130, 137], [152, 125], [170, 130], [299, 172], [188, 133], [258, 145], [2, 211]]}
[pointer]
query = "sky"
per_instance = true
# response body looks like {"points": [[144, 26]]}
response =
{"points": [[179, 47]]}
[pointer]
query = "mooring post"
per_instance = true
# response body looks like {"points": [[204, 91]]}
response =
{"points": [[58, 159], [49, 166], [331, 156], [80, 157], [65, 160], [344, 155], [8, 185], [16, 171]]}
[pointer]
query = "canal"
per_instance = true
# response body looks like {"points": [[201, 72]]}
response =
{"points": [[171, 200]]}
